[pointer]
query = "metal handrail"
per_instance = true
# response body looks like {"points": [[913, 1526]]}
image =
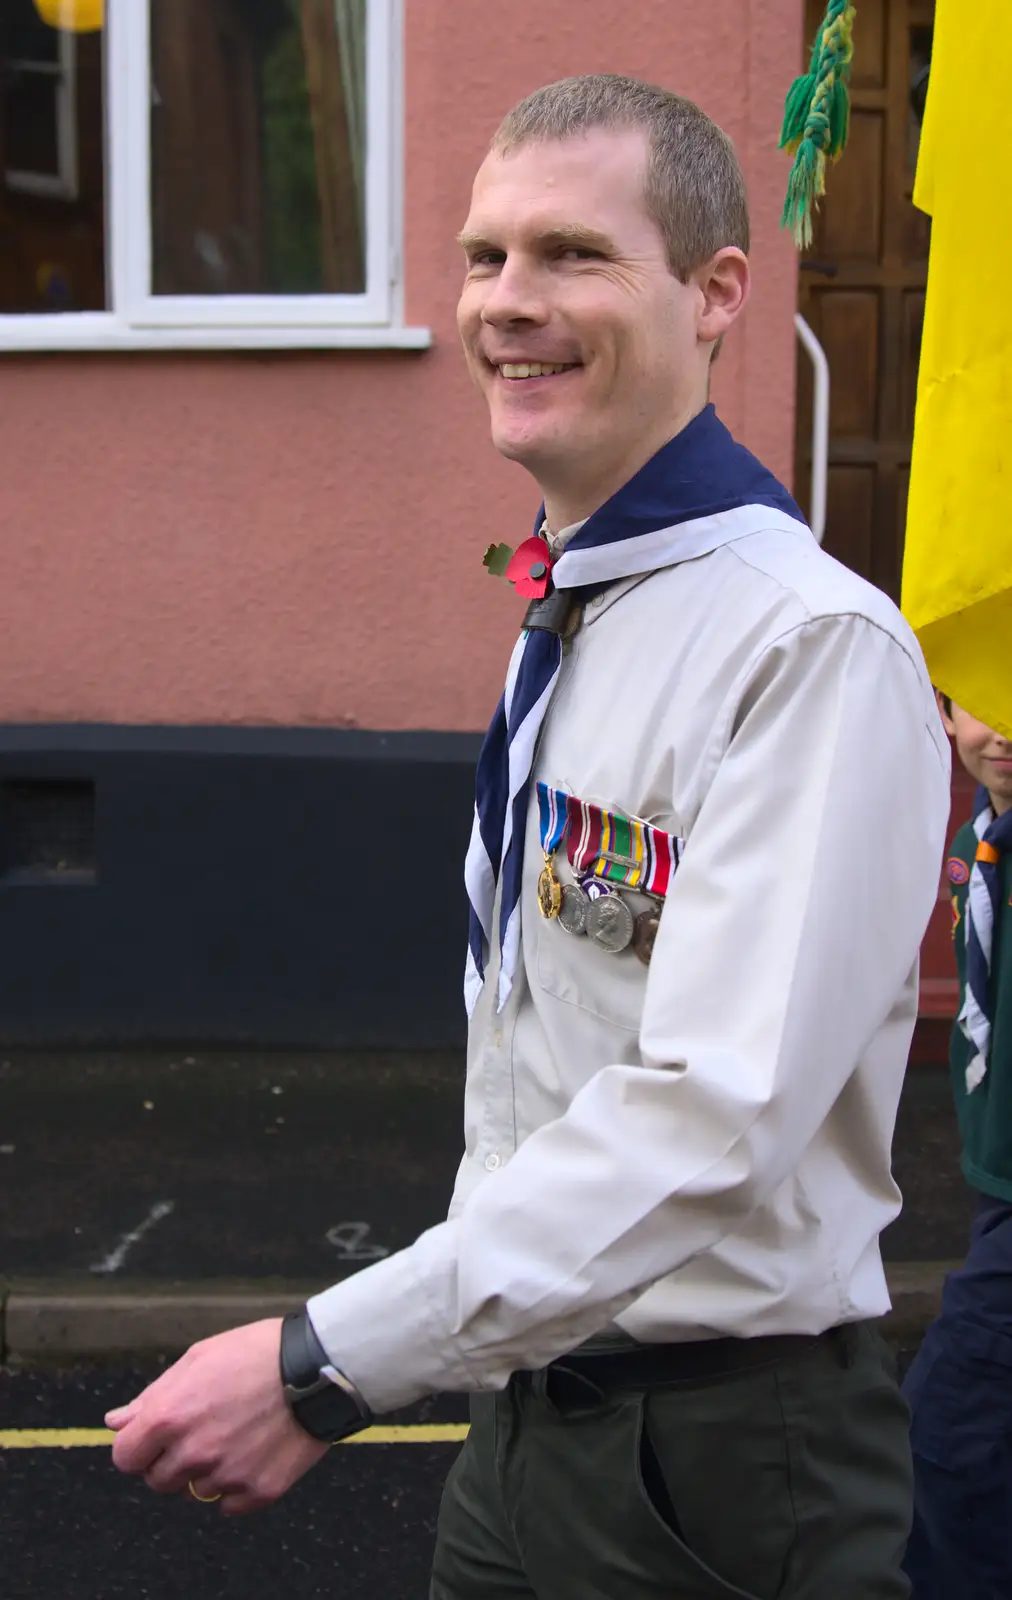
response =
{"points": [[820, 425]]}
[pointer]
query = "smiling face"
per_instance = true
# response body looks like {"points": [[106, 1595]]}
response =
{"points": [[986, 755], [591, 354]]}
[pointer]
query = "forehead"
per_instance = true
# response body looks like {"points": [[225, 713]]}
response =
{"points": [[596, 180]]}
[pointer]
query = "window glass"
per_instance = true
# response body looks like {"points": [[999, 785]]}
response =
{"points": [[52, 184], [258, 147]]}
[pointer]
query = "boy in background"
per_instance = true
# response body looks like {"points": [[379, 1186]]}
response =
{"points": [[960, 1385]]}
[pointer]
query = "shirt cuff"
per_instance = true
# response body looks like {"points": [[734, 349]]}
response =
{"points": [[381, 1330]]}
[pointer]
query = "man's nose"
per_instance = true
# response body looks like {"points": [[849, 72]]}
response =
{"points": [[516, 295]]}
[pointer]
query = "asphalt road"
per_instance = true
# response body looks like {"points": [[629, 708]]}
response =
{"points": [[164, 1165], [247, 1164], [360, 1527]]}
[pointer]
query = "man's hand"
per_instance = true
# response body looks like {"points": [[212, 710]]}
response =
{"points": [[218, 1420]]}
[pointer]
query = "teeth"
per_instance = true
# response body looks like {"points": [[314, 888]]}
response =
{"points": [[531, 369]]}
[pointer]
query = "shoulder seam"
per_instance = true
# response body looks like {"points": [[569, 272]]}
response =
{"points": [[811, 621]]}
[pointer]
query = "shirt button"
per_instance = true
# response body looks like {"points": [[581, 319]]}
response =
{"points": [[493, 1162]]}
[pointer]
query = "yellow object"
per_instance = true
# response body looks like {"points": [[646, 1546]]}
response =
{"points": [[76, 1438], [205, 1499], [957, 571], [73, 16]]}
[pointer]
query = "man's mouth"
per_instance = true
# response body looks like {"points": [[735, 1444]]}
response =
{"points": [[533, 369]]}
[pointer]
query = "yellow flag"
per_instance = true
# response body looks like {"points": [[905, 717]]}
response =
{"points": [[957, 569]]}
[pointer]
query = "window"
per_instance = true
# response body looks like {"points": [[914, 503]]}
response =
{"points": [[199, 173], [47, 831], [40, 122]]}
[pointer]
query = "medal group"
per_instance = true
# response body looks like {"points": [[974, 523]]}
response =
{"points": [[611, 856]]}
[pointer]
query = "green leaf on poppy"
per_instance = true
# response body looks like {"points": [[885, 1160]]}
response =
{"points": [[497, 558]]}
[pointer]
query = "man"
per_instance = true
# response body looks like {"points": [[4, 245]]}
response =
{"points": [[662, 1253]]}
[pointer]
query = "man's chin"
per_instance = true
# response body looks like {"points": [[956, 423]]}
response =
{"points": [[525, 448]]}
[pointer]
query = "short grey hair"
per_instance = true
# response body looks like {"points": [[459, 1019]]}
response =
{"points": [[694, 184]]}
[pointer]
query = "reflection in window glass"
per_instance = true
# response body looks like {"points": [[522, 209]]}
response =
{"points": [[258, 146], [52, 189]]}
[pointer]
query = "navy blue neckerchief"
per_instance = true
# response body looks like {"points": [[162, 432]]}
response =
{"points": [[676, 506]]}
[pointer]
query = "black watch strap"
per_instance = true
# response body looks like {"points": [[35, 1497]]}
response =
{"points": [[320, 1398]]}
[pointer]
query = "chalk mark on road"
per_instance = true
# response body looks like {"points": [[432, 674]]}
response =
{"points": [[351, 1241], [115, 1259]]}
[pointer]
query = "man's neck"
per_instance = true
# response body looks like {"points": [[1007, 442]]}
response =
{"points": [[575, 499], [999, 806]]}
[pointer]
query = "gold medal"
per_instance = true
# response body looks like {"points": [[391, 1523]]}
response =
{"points": [[549, 891]]}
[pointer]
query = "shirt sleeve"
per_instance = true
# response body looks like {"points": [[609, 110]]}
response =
{"points": [[794, 922]]}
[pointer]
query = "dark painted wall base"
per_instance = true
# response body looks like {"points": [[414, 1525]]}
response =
{"points": [[269, 886]]}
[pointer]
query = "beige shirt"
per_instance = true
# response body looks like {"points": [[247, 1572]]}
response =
{"points": [[701, 1147]]}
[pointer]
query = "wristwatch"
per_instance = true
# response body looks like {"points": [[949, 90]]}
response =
{"points": [[320, 1398]]}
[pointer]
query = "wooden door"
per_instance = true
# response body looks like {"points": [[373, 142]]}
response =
{"points": [[862, 292]]}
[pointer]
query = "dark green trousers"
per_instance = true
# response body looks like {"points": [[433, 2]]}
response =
{"points": [[791, 1482]]}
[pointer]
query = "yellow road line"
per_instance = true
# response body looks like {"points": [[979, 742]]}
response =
{"points": [[52, 1438], [415, 1433], [75, 1438]]}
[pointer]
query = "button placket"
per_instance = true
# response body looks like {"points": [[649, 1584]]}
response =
{"points": [[497, 1118]]}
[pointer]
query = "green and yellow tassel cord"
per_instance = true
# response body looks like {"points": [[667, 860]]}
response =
{"points": [[816, 118]]}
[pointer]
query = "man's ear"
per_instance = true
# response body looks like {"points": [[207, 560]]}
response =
{"points": [[724, 286]]}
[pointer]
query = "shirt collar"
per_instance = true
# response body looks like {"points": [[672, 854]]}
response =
{"points": [[557, 542]]}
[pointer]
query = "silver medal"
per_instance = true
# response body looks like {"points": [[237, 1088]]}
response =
{"points": [[574, 910], [610, 923]]}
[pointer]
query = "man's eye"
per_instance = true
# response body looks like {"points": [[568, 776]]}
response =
{"points": [[579, 252], [488, 258]]}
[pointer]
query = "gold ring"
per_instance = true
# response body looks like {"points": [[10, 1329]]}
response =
{"points": [[205, 1499]]}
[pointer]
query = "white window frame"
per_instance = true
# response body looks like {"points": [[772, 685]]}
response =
{"points": [[140, 320], [62, 184]]}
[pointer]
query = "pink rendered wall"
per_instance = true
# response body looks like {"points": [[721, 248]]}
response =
{"points": [[297, 539]]}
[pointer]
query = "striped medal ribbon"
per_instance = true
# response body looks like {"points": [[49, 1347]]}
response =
{"points": [[553, 814], [620, 851]]}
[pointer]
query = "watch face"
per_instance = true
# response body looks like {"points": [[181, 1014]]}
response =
{"points": [[318, 1401], [329, 1413]]}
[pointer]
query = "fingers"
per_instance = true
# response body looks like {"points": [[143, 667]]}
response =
{"points": [[206, 1490], [139, 1444], [177, 1465], [255, 1491], [176, 1469], [218, 1419], [121, 1416], [241, 1502]]}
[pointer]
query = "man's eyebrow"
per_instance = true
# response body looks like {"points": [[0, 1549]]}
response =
{"points": [[572, 235], [473, 242], [575, 235]]}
